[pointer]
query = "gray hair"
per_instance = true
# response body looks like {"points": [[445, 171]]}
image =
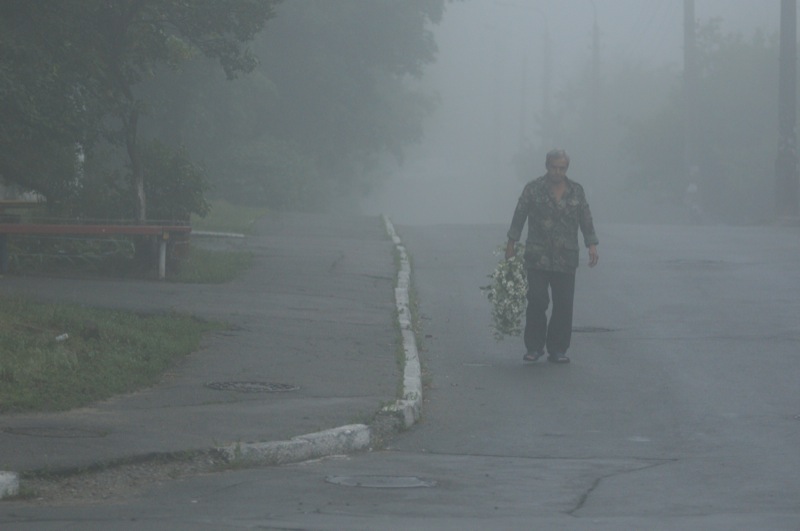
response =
{"points": [[556, 154]]}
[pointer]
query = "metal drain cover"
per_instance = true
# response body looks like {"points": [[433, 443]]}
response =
{"points": [[56, 432], [381, 482], [252, 387]]}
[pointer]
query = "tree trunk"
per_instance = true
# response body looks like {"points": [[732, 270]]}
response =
{"points": [[131, 133]]}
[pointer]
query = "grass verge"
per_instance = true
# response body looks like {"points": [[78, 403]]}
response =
{"points": [[205, 266], [227, 217], [55, 357]]}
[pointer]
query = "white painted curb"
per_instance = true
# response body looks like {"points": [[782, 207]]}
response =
{"points": [[335, 441], [410, 406], [214, 234], [9, 484]]}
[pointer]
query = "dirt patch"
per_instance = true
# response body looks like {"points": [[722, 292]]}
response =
{"points": [[113, 483]]}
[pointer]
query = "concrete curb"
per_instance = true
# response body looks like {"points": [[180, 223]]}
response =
{"points": [[345, 439], [214, 234], [9, 484], [355, 437], [410, 406]]}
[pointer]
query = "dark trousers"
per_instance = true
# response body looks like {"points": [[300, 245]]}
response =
{"points": [[556, 334]]}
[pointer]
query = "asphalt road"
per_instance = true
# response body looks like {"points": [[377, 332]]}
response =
{"points": [[681, 409]]}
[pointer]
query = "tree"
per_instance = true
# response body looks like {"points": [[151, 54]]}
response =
{"points": [[341, 74], [134, 37], [632, 99], [736, 134], [45, 98], [330, 99], [100, 50], [310, 124]]}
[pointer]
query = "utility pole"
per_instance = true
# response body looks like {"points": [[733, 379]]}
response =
{"points": [[786, 185], [523, 107], [595, 98], [690, 77], [547, 83], [547, 72]]}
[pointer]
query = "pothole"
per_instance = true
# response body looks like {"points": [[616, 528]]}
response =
{"points": [[381, 482], [56, 432], [252, 387]]}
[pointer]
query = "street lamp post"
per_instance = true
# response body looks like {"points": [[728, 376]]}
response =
{"points": [[786, 163], [689, 90], [547, 73], [595, 103]]}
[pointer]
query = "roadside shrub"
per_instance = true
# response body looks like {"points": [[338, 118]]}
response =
{"points": [[174, 186]]}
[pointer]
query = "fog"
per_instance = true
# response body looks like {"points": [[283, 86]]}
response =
{"points": [[490, 83]]}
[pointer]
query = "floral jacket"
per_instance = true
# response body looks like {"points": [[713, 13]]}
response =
{"points": [[552, 243]]}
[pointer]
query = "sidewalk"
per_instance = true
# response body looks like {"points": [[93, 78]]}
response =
{"points": [[314, 332]]}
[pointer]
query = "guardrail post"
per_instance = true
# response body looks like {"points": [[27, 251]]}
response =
{"points": [[4, 259], [162, 256]]}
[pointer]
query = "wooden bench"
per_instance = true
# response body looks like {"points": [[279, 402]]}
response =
{"points": [[162, 233]]}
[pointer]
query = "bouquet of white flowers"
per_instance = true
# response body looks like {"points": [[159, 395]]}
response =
{"points": [[508, 294]]}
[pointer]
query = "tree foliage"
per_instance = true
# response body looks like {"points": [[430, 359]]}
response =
{"points": [[45, 97], [737, 133], [326, 98], [82, 59], [329, 99], [639, 148], [340, 70]]}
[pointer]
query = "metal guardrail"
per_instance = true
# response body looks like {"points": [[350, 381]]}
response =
{"points": [[161, 232]]}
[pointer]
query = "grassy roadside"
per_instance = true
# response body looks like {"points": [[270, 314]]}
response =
{"points": [[56, 357], [226, 217], [206, 266]]}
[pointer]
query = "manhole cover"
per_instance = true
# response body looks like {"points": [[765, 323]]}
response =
{"points": [[56, 432], [252, 387], [381, 482], [591, 329]]}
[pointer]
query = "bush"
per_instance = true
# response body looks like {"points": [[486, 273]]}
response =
{"points": [[174, 186], [272, 173]]}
